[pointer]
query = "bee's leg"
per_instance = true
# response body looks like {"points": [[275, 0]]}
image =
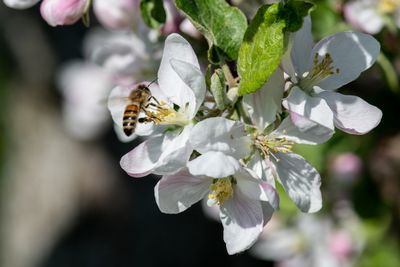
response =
{"points": [[155, 99]]}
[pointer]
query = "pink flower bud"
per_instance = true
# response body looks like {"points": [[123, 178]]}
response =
{"points": [[116, 14], [340, 245], [62, 12], [346, 167]]}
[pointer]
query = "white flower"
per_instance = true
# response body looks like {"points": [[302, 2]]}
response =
{"points": [[311, 242], [266, 151], [116, 14], [240, 195], [179, 94], [372, 15], [20, 4], [84, 87], [128, 56], [316, 71]]}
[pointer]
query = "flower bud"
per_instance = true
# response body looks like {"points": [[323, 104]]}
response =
{"points": [[116, 14], [63, 12], [20, 4]]}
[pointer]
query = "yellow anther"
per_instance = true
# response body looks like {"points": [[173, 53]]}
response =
{"points": [[221, 190], [269, 145], [321, 70]]}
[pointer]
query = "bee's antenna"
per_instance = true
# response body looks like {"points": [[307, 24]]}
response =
{"points": [[153, 81]]}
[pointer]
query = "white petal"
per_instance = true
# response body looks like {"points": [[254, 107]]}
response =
{"points": [[20, 4], [243, 222], [313, 108], [177, 91], [220, 134], [194, 79], [143, 159], [300, 180], [351, 52], [302, 46], [312, 134], [214, 164], [256, 189], [261, 168], [176, 152], [263, 105], [175, 193], [352, 114]]}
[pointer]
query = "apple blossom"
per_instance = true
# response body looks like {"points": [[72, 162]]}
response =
{"points": [[241, 196], [316, 71], [116, 14], [20, 4], [371, 15], [179, 94]]}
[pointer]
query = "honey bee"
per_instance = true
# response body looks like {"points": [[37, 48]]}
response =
{"points": [[139, 100]]}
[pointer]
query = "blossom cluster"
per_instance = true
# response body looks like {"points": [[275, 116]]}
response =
{"points": [[233, 156], [206, 140]]}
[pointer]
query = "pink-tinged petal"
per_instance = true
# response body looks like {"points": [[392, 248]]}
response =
{"points": [[220, 134], [302, 46], [175, 193], [364, 15], [314, 109], [116, 14], [214, 164], [311, 134], [252, 187], [62, 12], [300, 180], [176, 152], [142, 160], [20, 4], [194, 79], [177, 91], [351, 52], [352, 114], [263, 105], [261, 168], [243, 221]]}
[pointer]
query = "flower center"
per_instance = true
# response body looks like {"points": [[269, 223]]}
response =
{"points": [[161, 113], [388, 6], [269, 144], [321, 70], [221, 190]]}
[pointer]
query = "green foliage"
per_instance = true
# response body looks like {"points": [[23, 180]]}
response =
{"points": [[264, 42], [153, 12], [222, 25], [218, 89]]}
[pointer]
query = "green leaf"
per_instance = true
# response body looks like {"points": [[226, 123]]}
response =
{"points": [[293, 13], [265, 41], [153, 12], [222, 25], [262, 49], [218, 89]]}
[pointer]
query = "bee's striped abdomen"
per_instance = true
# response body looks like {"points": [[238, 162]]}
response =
{"points": [[130, 118]]}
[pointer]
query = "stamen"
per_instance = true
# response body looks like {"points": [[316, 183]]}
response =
{"points": [[320, 71], [221, 190], [270, 144], [161, 113]]}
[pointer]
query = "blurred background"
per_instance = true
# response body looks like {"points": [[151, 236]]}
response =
{"points": [[64, 201]]}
